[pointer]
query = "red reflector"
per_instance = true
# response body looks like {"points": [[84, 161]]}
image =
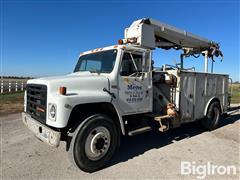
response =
{"points": [[40, 109]]}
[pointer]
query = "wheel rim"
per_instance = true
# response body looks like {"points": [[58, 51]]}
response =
{"points": [[97, 143]]}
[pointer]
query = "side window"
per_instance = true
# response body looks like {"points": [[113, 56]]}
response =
{"points": [[131, 63]]}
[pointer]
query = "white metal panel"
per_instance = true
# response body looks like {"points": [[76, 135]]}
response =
{"points": [[199, 96], [211, 85], [220, 87], [187, 97], [178, 36], [170, 33], [205, 87], [135, 93], [147, 37]]}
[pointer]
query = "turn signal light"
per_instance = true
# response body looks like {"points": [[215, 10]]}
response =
{"points": [[62, 90]]}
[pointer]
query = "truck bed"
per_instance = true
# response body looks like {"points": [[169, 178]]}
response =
{"points": [[194, 91]]}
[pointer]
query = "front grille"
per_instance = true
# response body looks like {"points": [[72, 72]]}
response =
{"points": [[37, 101]]}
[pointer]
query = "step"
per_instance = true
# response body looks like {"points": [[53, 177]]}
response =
{"points": [[139, 131]]}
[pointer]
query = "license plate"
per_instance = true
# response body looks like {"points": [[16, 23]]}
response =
{"points": [[45, 134]]}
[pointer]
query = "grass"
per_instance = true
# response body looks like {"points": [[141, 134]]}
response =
{"points": [[11, 103], [235, 93]]}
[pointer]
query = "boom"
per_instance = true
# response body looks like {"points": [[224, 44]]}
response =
{"points": [[150, 33]]}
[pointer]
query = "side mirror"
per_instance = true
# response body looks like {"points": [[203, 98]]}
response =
{"points": [[142, 77]]}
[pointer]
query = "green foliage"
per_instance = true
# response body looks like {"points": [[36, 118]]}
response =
{"points": [[235, 93]]}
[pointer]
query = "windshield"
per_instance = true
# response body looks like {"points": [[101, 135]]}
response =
{"points": [[100, 62]]}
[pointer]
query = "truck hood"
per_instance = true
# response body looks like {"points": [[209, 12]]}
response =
{"points": [[75, 82]]}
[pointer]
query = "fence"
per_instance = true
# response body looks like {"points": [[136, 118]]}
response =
{"points": [[9, 86]]}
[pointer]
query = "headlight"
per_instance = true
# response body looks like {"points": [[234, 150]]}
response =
{"points": [[52, 111]]}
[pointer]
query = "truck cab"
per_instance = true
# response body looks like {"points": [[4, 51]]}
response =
{"points": [[120, 75]]}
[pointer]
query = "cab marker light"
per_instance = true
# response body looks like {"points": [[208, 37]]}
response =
{"points": [[120, 41]]}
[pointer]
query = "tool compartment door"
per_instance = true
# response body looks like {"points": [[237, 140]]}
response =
{"points": [[187, 90], [200, 95]]}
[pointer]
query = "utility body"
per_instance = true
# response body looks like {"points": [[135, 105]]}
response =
{"points": [[116, 91]]}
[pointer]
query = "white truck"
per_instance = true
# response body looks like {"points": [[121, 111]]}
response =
{"points": [[115, 91]]}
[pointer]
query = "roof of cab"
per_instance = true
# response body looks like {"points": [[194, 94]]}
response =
{"points": [[125, 46]]}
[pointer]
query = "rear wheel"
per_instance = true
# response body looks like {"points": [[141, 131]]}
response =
{"points": [[213, 115], [94, 143]]}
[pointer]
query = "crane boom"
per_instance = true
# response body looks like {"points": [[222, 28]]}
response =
{"points": [[150, 33]]}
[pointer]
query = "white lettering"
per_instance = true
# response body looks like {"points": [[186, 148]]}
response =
{"points": [[185, 168], [202, 170]]}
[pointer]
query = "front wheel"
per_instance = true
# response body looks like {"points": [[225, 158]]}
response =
{"points": [[94, 143], [213, 115]]}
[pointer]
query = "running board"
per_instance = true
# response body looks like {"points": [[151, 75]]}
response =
{"points": [[139, 131]]}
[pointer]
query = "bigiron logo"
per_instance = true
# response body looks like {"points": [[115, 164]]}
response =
{"points": [[209, 169]]}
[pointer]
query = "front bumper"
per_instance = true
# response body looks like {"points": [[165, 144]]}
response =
{"points": [[44, 133]]}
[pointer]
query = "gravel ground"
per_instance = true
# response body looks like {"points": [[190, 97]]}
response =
{"points": [[150, 155]]}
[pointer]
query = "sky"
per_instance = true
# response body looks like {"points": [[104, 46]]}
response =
{"points": [[45, 37]]}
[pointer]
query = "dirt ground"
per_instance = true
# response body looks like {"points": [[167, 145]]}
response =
{"points": [[11, 103], [150, 155]]}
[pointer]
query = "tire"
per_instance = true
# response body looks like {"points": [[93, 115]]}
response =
{"points": [[212, 118], [93, 143]]}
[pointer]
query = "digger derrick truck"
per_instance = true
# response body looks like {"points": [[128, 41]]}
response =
{"points": [[115, 91]]}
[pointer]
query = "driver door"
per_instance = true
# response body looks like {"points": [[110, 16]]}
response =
{"points": [[135, 85]]}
